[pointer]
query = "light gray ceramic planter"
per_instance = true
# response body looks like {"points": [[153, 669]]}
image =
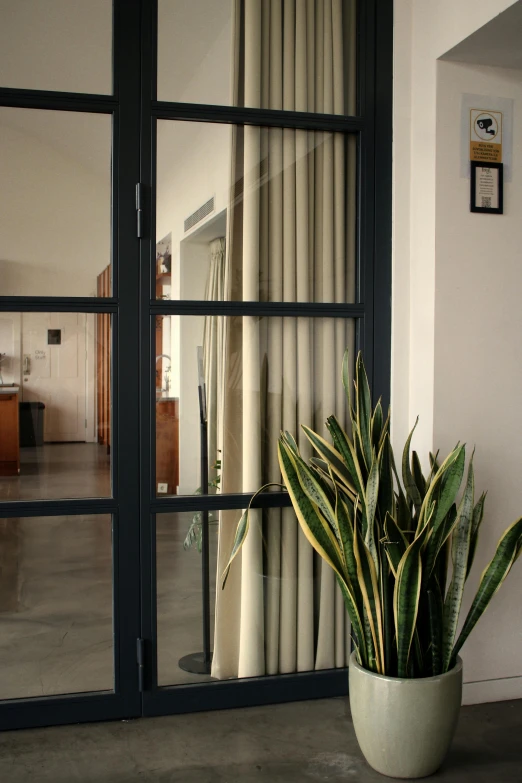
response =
{"points": [[404, 727]]}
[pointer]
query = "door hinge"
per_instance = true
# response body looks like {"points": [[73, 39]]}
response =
{"points": [[140, 205], [85, 425], [140, 659]]}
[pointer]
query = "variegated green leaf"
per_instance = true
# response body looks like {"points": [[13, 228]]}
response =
{"points": [[370, 592], [492, 578], [348, 454], [314, 526], [460, 553], [418, 475], [406, 600], [407, 476], [446, 484], [363, 410], [331, 455], [395, 542], [478, 514], [376, 426], [436, 609], [242, 532], [372, 491], [386, 497]]}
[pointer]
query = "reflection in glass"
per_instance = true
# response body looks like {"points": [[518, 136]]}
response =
{"points": [[277, 204], [56, 631], [286, 55], [179, 597], [55, 202], [55, 405], [261, 375], [61, 45]]}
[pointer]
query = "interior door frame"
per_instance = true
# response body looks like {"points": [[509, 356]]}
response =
{"points": [[372, 312], [123, 306]]}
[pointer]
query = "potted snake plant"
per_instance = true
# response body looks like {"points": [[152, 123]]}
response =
{"points": [[401, 552]]}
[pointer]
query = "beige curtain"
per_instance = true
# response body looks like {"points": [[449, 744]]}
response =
{"points": [[213, 353], [289, 238]]}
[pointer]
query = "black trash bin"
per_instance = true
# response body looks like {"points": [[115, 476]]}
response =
{"points": [[32, 423]]}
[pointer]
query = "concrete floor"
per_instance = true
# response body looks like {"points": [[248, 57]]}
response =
{"points": [[286, 743], [59, 470], [56, 603]]}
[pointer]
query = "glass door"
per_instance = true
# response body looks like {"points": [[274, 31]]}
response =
{"points": [[257, 274], [69, 348]]}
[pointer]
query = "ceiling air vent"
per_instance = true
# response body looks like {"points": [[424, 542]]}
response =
{"points": [[199, 214]]}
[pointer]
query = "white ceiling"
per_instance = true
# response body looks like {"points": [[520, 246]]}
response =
{"points": [[497, 44]]}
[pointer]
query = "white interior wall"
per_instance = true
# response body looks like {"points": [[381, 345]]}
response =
{"points": [[436, 294], [56, 45], [477, 368], [55, 212], [55, 206]]}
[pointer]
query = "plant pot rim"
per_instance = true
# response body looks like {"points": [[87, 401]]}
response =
{"points": [[353, 662]]}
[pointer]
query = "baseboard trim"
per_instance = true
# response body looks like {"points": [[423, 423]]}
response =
{"points": [[484, 691]]}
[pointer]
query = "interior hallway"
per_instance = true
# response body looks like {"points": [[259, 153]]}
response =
{"points": [[286, 743]]}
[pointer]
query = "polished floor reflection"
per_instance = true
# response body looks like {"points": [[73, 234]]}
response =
{"points": [[55, 605], [59, 470], [179, 597], [56, 631]]}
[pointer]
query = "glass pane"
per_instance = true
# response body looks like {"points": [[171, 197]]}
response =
{"points": [[282, 55], [55, 606], [255, 214], [279, 612], [55, 203], [235, 383], [55, 405], [179, 596], [63, 45]]}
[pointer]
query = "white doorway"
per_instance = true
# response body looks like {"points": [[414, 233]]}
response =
{"points": [[54, 370]]}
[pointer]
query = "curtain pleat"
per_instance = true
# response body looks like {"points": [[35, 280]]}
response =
{"points": [[290, 237]]}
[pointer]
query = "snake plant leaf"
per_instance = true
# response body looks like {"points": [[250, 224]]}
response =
{"points": [[314, 491], [409, 482], [395, 543], [441, 531], [478, 515], [386, 497], [493, 575], [363, 410], [346, 450], [376, 426], [242, 531], [385, 429], [404, 516], [434, 466], [436, 609], [460, 554], [370, 592], [372, 491], [332, 456], [347, 534], [347, 383], [418, 475], [406, 600], [446, 483], [314, 526], [356, 622]]}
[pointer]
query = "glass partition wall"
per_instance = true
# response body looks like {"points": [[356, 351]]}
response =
{"points": [[191, 237]]}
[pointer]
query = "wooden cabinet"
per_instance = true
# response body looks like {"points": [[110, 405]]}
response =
{"points": [[167, 445], [9, 434]]}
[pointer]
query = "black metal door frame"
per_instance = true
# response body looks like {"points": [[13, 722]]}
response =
{"points": [[124, 108], [134, 506], [372, 312]]}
